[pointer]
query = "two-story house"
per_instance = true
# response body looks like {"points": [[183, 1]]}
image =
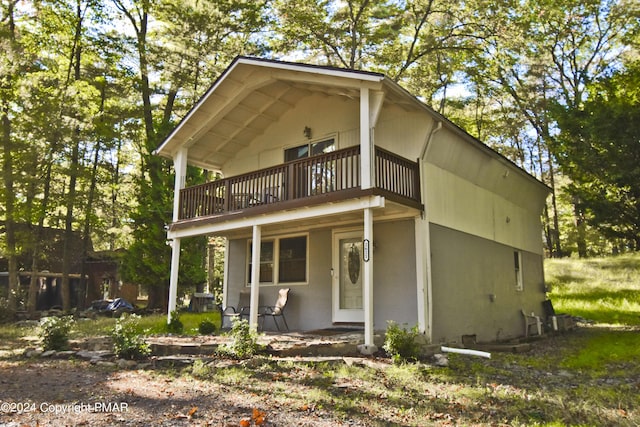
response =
{"points": [[366, 203]]}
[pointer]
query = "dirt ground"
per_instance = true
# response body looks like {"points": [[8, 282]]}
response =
{"points": [[70, 393], [57, 392]]}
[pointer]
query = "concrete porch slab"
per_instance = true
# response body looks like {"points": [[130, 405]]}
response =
{"points": [[282, 344]]}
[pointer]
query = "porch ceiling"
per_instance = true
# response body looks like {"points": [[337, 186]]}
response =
{"points": [[252, 95]]}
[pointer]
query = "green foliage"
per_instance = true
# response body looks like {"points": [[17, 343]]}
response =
{"points": [[6, 314], [200, 369], [598, 149], [207, 327], [128, 343], [244, 341], [401, 344], [175, 326], [54, 332]]}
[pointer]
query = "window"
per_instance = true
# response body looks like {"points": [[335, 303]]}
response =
{"points": [[292, 260], [308, 150], [266, 262], [282, 260], [517, 263]]}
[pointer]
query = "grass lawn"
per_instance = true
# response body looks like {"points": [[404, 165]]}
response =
{"points": [[605, 290], [149, 325]]}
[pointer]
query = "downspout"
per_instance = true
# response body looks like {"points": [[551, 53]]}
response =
{"points": [[422, 225], [427, 141]]}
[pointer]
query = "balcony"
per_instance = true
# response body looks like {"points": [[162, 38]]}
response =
{"points": [[318, 179]]}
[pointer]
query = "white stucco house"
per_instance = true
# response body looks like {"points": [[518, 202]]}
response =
{"points": [[363, 201]]}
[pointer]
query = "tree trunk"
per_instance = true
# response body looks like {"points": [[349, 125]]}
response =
{"points": [[115, 183], [73, 173], [158, 297], [7, 175], [557, 247], [10, 233], [86, 232], [580, 224], [68, 227], [44, 205]]}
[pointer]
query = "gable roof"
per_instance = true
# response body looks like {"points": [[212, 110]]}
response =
{"points": [[252, 93]]}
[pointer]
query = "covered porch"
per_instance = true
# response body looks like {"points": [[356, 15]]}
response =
{"points": [[322, 227]]}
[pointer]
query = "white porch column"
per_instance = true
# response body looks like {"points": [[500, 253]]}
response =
{"points": [[367, 179], [180, 167], [225, 275], [367, 284], [255, 277], [173, 277]]}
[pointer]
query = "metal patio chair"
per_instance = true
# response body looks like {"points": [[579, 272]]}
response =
{"points": [[277, 310], [241, 310]]}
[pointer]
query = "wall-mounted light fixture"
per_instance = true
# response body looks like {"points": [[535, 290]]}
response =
{"points": [[307, 132]]}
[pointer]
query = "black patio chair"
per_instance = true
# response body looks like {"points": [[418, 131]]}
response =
{"points": [[277, 310], [240, 311]]}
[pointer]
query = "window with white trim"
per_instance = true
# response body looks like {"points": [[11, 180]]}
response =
{"points": [[282, 260], [517, 264]]}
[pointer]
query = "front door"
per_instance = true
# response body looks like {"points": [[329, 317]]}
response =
{"points": [[347, 277]]}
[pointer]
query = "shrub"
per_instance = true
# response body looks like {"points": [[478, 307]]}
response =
{"points": [[207, 327], [127, 341], [244, 342], [200, 369], [54, 332], [175, 326], [400, 343], [5, 313]]}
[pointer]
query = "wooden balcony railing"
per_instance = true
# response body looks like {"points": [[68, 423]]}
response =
{"points": [[313, 176]]}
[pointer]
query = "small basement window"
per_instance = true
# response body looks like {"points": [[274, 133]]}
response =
{"points": [[517, 264]]}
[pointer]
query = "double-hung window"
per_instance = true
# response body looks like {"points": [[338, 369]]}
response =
{"points": [[282, 260]]}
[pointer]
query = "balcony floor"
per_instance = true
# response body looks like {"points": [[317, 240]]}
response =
{"points": [[298, 213]]}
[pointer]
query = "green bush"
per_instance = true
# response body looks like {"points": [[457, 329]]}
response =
{"points": [[175, 326], [200, 370], [207, 327], [54, 332], [401, 344], [127, 341], [5, 314], [244, 343]]}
